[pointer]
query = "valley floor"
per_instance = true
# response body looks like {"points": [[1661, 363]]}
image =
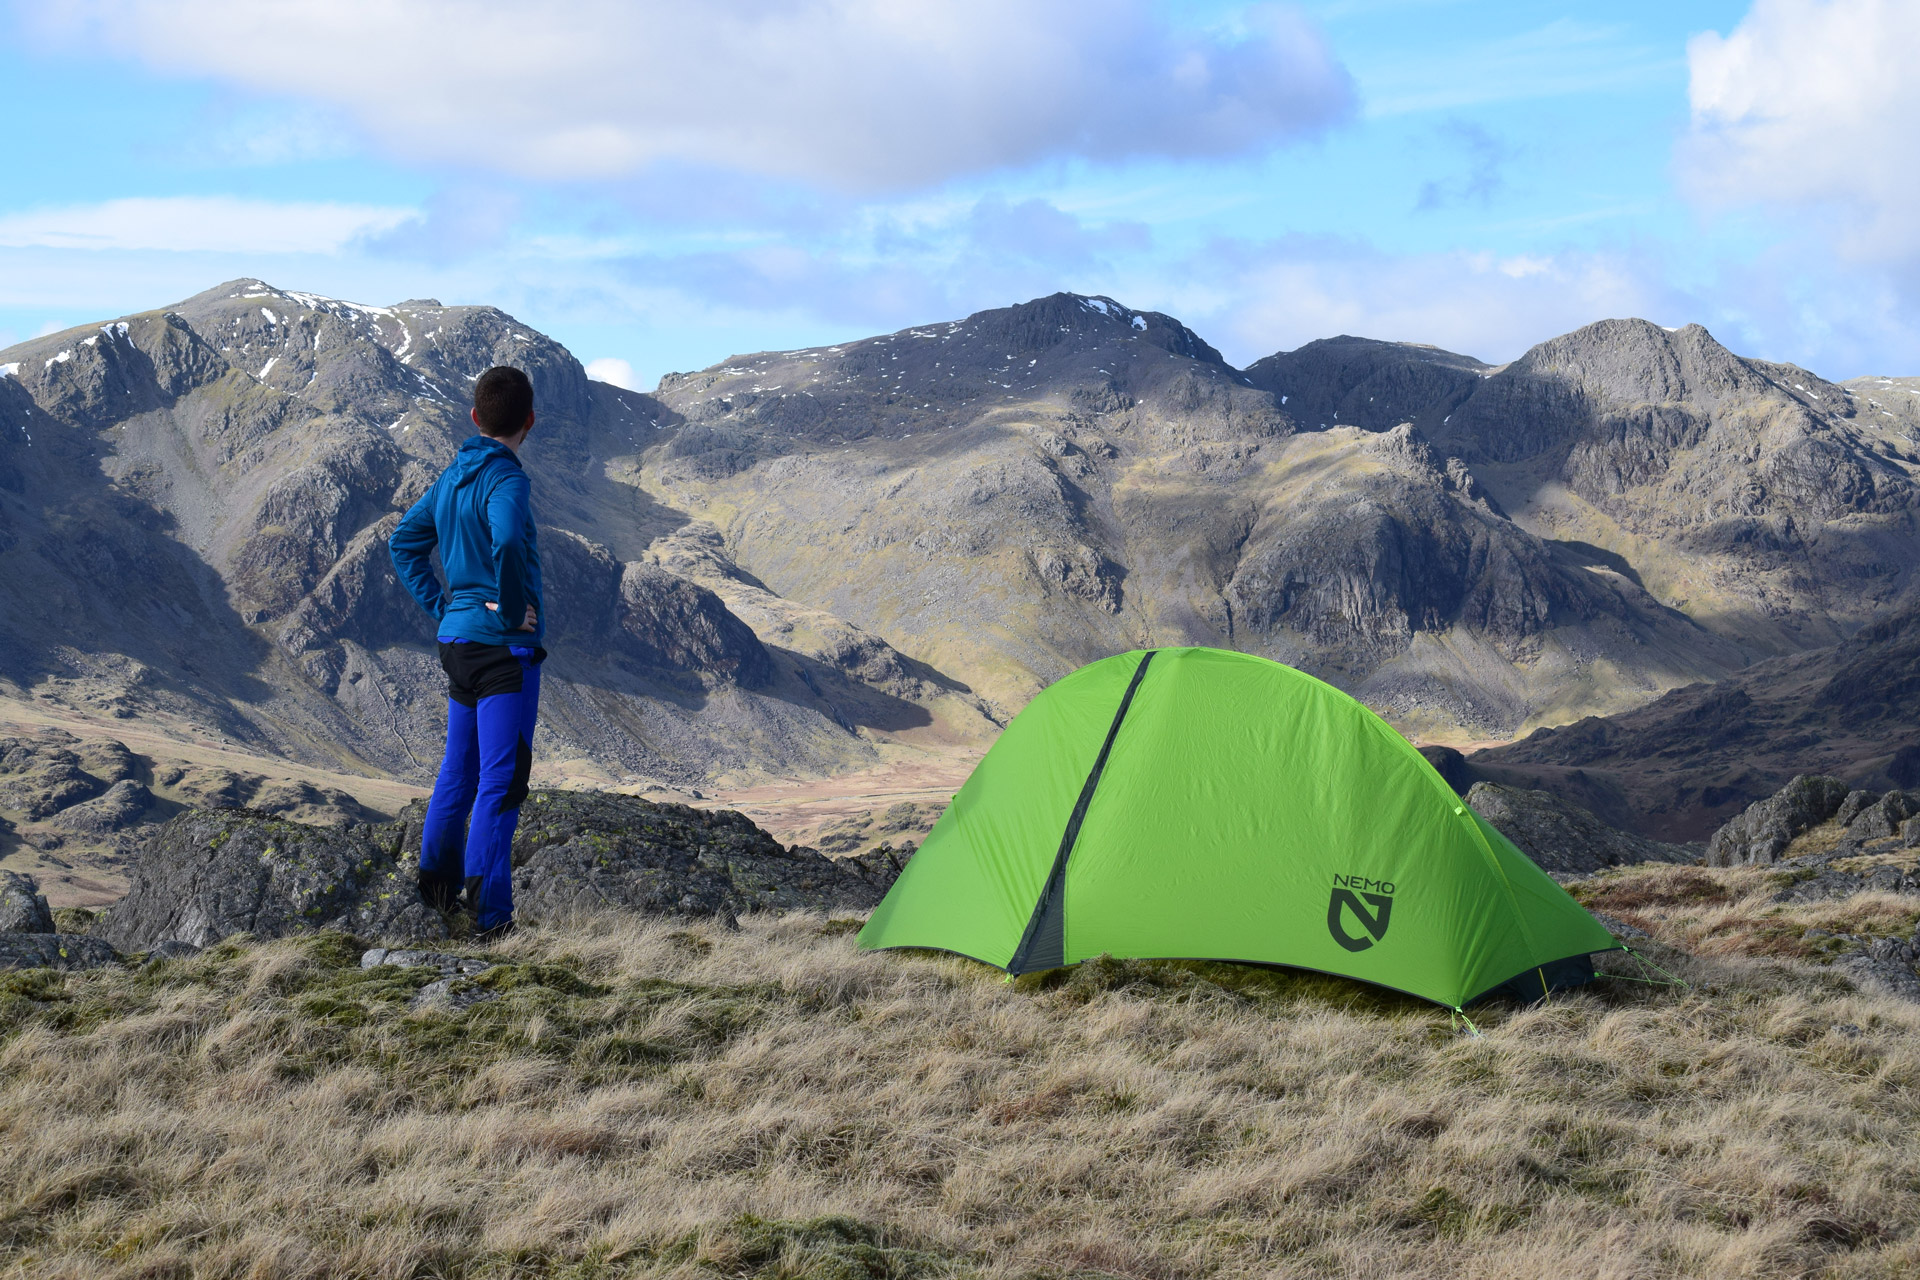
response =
{"points": [[645, 1097]]}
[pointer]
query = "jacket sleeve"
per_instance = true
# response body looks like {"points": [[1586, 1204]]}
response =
{"points": [[412, 542], [509, 518]]}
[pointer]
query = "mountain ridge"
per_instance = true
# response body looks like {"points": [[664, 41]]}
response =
{"points": [[792, 563]]}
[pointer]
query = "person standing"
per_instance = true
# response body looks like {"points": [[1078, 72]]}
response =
{"points": [[490, 624]]}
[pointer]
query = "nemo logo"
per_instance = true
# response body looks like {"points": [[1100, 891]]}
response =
{"points": [[1346, 901]]}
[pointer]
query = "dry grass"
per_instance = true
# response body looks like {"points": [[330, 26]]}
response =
{"points": [[1731, 912], [651, 1099]]}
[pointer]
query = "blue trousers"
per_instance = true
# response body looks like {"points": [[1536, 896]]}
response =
{"points": [[493, 699]]}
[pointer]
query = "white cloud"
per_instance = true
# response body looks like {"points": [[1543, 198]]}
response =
{"points": [[859, 94], [611, 369], [216, 224], [1251, 300], [1811, 104]]}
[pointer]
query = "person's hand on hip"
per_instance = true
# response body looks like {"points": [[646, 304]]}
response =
{"points": [[532, 620]]}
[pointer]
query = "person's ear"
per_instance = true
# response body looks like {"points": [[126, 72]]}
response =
{"points": [[528, 425], [475, 415]]}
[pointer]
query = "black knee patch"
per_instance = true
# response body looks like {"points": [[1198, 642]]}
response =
{"points": [[522, 774]]}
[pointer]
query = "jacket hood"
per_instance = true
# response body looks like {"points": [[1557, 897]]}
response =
{"points": [[475, 453]]}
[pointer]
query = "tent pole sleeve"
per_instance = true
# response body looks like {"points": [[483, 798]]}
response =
{"points": [[1043, 944]]}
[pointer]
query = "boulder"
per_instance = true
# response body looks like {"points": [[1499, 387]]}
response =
{"points": [[578, 850], [1884, 817], [54, 951], [1853, 805], [22, 909], [1563, 838], [208, 874], [1767, 827]]}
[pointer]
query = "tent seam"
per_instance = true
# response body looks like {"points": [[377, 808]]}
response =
{"points": [[1056, 882]]}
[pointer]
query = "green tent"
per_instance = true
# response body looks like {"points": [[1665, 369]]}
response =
{"points": [[1203, 804]]}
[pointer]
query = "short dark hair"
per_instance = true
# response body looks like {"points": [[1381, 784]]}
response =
{"points": [[502, 399]]}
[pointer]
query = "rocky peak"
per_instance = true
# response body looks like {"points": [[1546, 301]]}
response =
{"points": [[1616, 363], [1073, 319], [1089, 355], [1362, 382]]}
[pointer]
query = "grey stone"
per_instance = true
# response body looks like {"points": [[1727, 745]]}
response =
{"points": [[1881, 976], [1883, 817], [1853, 804], [1910, 833], [1767, 827], [589, 850], [1620, 928], [1562, 838], [54, 951], [22, 909], [1887, 879], [173, 949], [449, 995], [403, 958], [1824, 886], [1891, 950], [209, 874]]}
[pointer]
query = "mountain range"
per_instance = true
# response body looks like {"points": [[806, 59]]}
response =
{"points": [[800, 563]]}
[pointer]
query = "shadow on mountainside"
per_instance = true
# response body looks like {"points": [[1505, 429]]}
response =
{"points": [[1679, 767]]}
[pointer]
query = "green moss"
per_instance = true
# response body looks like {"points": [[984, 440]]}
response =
{"points": [[1446, 1213], [503, 978], [74, 920]]}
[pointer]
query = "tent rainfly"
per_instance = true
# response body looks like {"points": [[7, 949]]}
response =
{"points": [[1205, 804]]}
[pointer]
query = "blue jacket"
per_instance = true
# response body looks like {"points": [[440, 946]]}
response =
{"points": [[479, 516]]}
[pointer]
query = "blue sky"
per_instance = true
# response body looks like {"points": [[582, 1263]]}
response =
{"points": [[664, 185]]}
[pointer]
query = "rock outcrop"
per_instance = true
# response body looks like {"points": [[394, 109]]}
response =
{"points": [[1564, 839], [22, 909], [1767, 827], [27, 936], [64, 951], [213, 873]]}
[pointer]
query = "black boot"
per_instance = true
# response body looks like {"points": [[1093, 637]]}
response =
{"points": [[442, 893], [499, 933]]}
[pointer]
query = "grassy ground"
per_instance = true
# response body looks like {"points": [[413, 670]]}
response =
{"points": [[646, 1098]]}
